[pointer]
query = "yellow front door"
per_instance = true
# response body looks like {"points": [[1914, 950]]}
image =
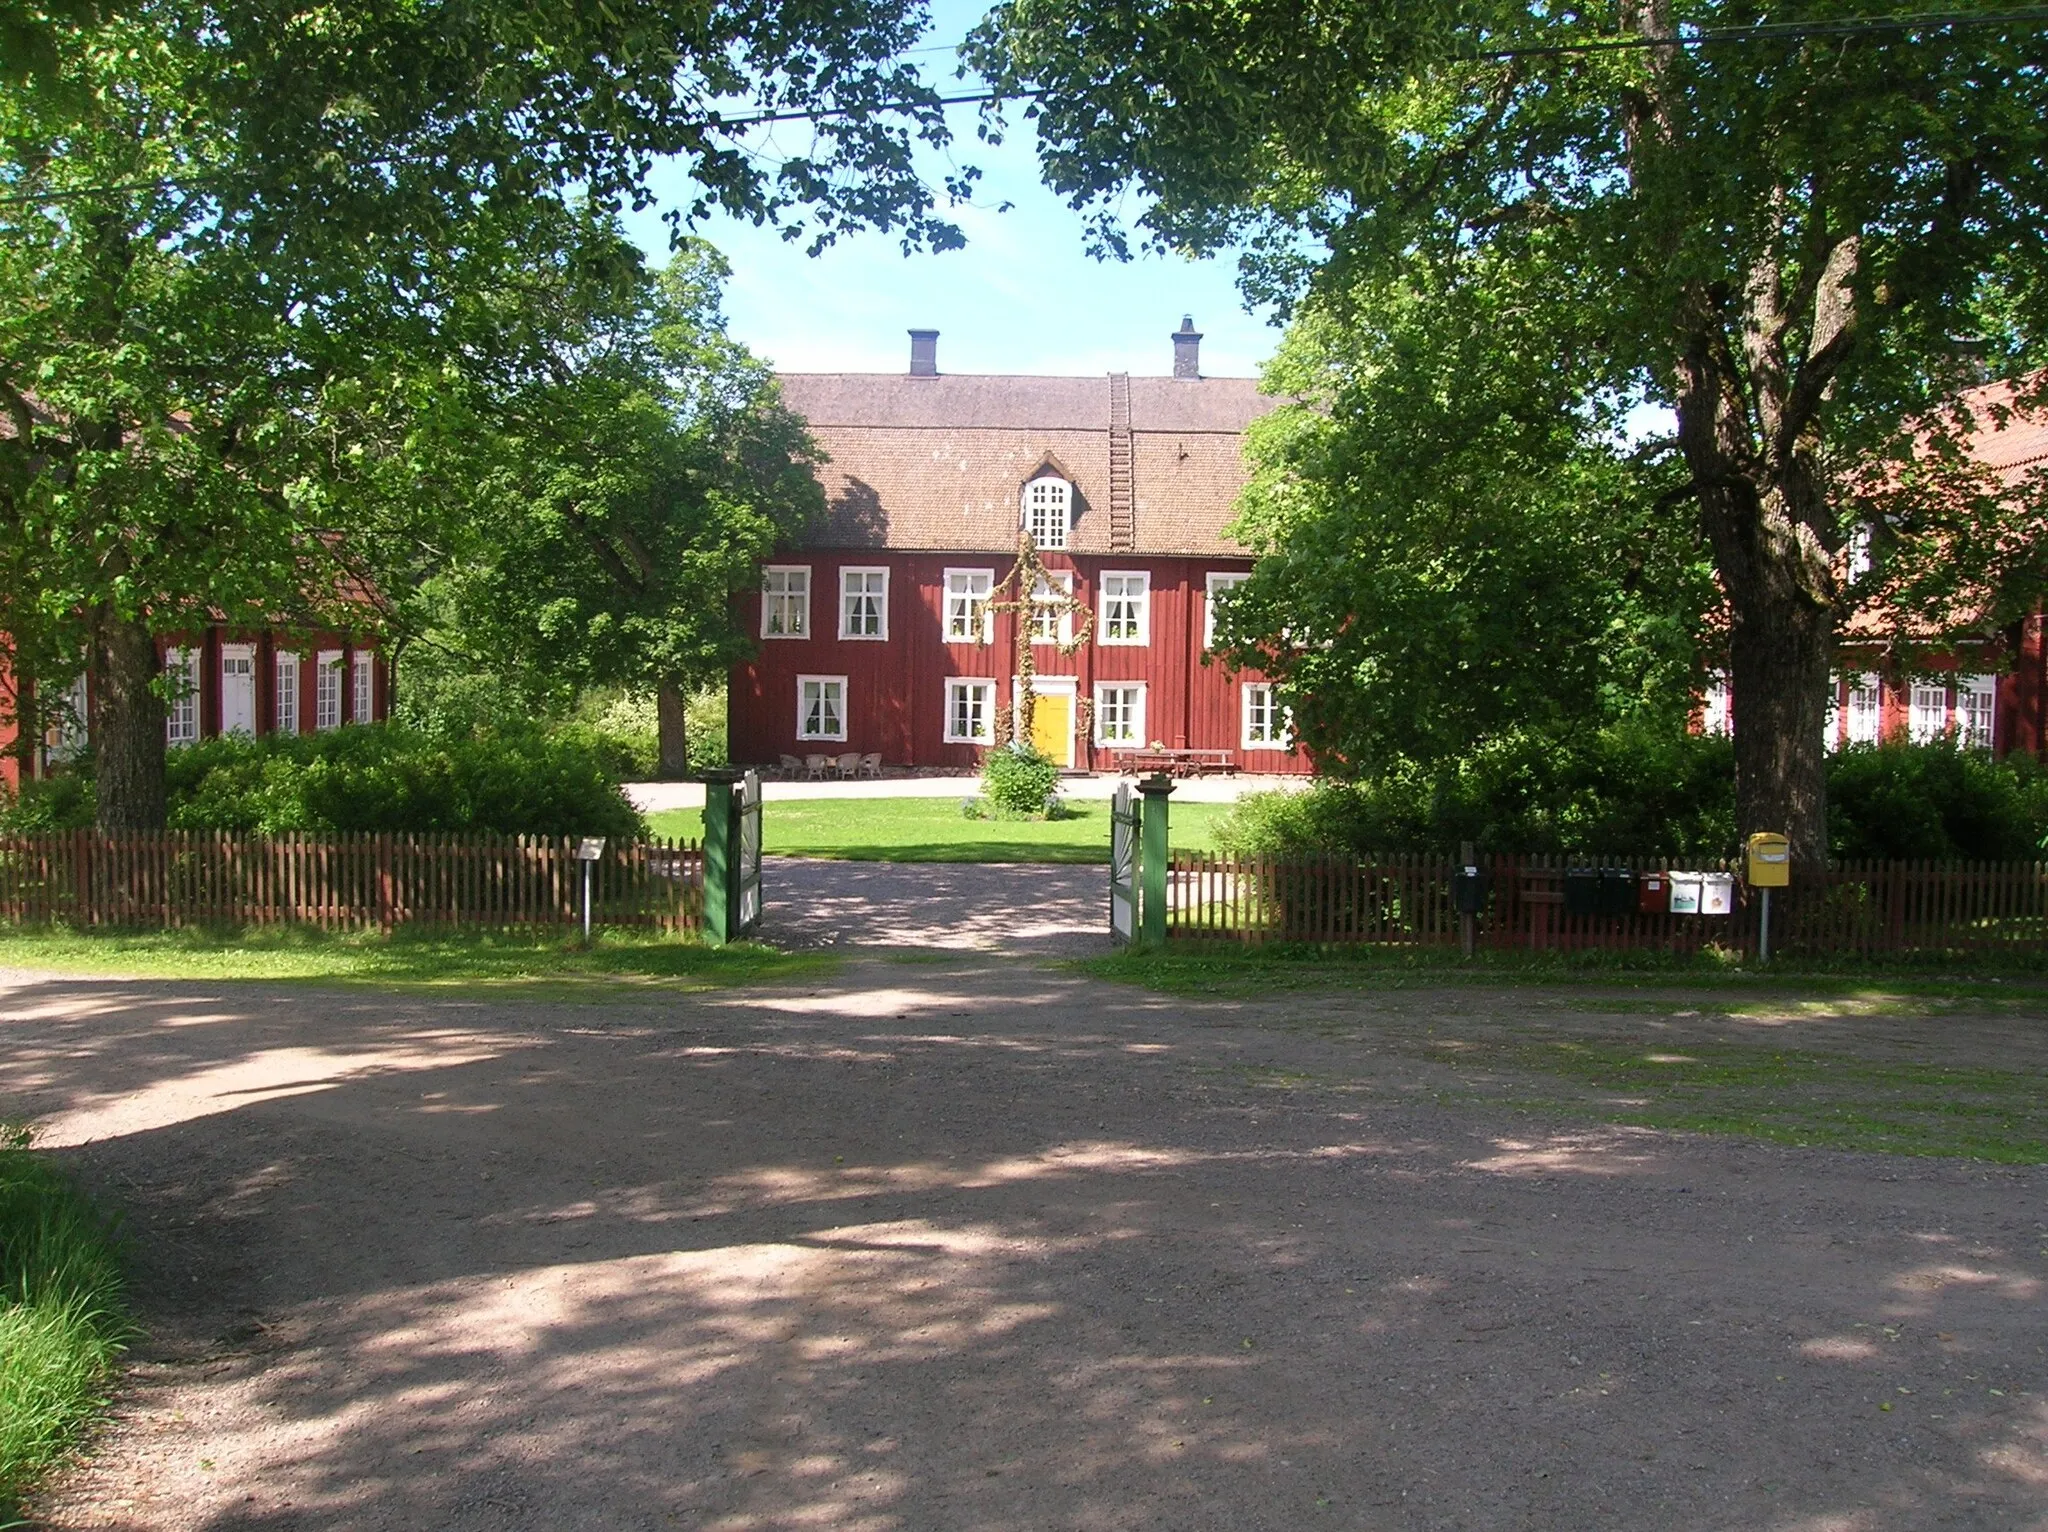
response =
{"points": [[1052, 726]]}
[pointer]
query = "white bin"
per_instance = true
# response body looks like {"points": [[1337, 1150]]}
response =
{"points": [[1685, 893], [1717, 893]]}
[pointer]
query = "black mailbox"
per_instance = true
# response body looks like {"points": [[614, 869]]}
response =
{"points": [[1617, 891], [1581, 891], [1469, 888]]}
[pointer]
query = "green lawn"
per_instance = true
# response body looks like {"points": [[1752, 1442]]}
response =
{"points": [[934, 830], [466, 958]]}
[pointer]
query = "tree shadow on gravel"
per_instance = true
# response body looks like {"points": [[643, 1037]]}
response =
{"points": [[964, 1252]]}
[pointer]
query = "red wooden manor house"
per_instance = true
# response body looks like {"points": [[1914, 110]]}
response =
{"points": [[877, 635]]}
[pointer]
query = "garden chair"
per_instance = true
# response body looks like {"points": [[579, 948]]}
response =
{"points": [[849, 763], [871, 764], [790, 767], [814, 767]]}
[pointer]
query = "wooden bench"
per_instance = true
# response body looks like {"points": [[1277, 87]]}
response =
{"points": [[1176, 763]]}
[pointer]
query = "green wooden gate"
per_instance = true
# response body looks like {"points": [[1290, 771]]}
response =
{"points": [[732, 855]]}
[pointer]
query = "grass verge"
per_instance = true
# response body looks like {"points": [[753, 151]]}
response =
{"points": [[406, 957], [934, 830], [1248, 972], [1807, 1099], [62, 1320]]}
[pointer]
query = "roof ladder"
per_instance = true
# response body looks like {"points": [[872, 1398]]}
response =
{"points": [[1123, 535]]}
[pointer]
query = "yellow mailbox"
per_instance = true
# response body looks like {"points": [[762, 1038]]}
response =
{"points": [[1770, 860]]}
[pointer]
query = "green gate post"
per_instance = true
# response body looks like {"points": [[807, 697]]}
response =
{"points": [[1152, 857], [721, 857]]}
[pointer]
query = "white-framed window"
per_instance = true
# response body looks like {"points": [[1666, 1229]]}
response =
{"points": [[327, 689], [1857, 553], [1831, 731], [970, 711], [1126, 607], [1866, 709], [1220, 583], [287, 693], [821, 707], [1927, 716], [72, 730], [1976, 708], [1716, 715], [1120, 713], [968, 619], [1052, 612], [1048, 511], [864, 603], [786, 601], [181, 715], [1266, 723], [363, 678]]}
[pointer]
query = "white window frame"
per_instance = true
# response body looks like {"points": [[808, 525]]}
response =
{"points": [[1046, 510], [1927, 715], [850, 601], [1277, 730], [956, 686], [362, 680], [285, 692], [793, 599], [244, 654], [1717, 712], [1133, 694], [72, 731], [1059, 585], [1866, 709], [960, 605], [1976, 711], [803, 709], [1140, 604], [181, 708], [1218, 580], [327, 690]]}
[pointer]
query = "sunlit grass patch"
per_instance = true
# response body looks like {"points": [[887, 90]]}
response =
{"points": [[62, 1320], [407, 957], [1828, 1100]]}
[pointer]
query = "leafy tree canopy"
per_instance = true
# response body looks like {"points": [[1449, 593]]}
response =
{"points": [[1776, 224]]}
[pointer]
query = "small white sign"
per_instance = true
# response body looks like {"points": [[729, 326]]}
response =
{"points": [[590, 848]]}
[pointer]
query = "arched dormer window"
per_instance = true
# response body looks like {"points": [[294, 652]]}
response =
{"points": [[1048, 510]]}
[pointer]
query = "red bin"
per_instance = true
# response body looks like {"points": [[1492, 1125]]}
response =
{"points": [[1653, 893]]}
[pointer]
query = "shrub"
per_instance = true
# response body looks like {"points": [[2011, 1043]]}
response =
{"points": [[628, 718], [1018, 779], [62, 802], [513, 781], [1631, 792]]}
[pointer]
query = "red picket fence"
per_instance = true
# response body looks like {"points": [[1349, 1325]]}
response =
{"points": [[1864, 908], [337, 881]]}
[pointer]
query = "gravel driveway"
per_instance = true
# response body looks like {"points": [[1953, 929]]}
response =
{"points": [[965, 907], [978, 1244]]}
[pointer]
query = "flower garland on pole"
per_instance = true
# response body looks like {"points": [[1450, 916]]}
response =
{"points": [[1030, 593]]}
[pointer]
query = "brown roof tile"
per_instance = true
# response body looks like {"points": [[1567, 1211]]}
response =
{"points": [[937, 462]]}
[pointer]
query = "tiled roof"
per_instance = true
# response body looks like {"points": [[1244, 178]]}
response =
{"points": [[937, 462]]}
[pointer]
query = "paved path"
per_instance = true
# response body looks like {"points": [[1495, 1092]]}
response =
{"points": [[986, 1246], [658, 797], [1014, 908]]}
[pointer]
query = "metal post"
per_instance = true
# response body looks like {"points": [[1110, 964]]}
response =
{"points": [[586, 901], [721, 858], [1152, 860], [1763, 949], [1467, 924]]}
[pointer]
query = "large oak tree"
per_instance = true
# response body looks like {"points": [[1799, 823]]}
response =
{"points": [[231, 233], [1774, 223]]}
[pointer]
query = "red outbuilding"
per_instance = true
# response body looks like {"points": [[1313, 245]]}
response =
{"points": [[877, 634]]}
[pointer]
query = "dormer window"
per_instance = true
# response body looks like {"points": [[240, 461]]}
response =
{"points": [[1048, 509]]}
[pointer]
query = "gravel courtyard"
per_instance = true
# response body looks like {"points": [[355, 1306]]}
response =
{"points": [[975, 1242]]}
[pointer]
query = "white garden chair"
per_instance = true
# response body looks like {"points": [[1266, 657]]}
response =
{"points": [[871, 764], [849, 764], [815, 767]]}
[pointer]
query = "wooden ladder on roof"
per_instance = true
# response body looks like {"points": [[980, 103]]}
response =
{"points": [[1123, 531]]}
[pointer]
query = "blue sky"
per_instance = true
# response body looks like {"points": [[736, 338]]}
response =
{"points": [[1022, 297]]}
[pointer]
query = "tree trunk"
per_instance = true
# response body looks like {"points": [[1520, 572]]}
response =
{"points": [[127, 726], [672, 730]]}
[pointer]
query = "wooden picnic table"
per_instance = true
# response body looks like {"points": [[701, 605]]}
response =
{"points": [[1177, 763]]}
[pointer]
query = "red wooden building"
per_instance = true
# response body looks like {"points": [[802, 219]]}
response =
{"points": [[226, 680], [875, 635]]}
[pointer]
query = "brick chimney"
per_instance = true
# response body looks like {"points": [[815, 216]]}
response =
{"points": [[1187, 349], [924, 353]]}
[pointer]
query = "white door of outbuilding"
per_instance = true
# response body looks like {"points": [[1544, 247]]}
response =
{"points": [[238, 689]]}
